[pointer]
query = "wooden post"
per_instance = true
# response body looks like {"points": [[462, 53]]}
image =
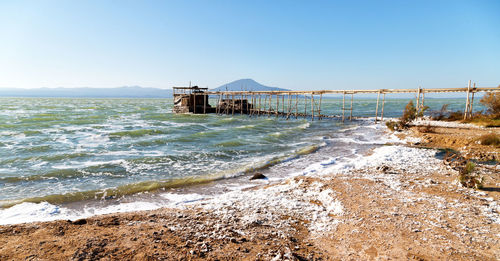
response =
{"points": [[277, 105], [319, 108], [296, 106], [205, 103], [343, 106], [288, 106], [383, 105], [352, 99], [217, 105], [417, 106], [472, 100], [270, 105], [253, 103], [376, 109], [467, 101], [232, 99], [312, 106], [423, 100], [258, 112], [194, 102], [283, 104], [305, 105], [241, 103]]}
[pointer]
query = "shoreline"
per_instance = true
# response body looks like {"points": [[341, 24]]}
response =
{"points": [[383, 205]]}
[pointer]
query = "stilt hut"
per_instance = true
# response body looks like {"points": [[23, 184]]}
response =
{"points": [[191, 100]]}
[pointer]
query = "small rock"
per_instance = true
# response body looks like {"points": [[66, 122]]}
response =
{"points": [[258, 175], [79, 222]]}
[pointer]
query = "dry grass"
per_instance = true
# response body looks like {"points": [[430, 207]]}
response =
{"points": [[484, 120], [490, 140], [426, 129]]}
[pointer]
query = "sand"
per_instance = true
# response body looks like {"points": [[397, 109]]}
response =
{"points": [[400, 202]]}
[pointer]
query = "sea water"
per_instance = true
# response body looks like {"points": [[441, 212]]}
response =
{"points": [[60, 155]]}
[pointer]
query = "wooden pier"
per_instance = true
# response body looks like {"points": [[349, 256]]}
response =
{"points": [[286, 103]]}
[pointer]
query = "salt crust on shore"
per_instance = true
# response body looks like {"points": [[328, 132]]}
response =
{"points": [[446, 124]]}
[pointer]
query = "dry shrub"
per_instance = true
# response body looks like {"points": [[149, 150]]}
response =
{"points": [[467, 174], [492, 102], [392, 125], [441, 114], [490, 140], [455, 116], [426, 129], [409, 115], [468, 178]]}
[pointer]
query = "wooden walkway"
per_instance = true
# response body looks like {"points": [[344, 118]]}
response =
{"points": [[286, 103]]}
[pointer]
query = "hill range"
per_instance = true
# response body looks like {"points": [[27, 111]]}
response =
{"points": [[125, 91]]}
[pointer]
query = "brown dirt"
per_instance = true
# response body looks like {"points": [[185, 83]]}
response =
{"points": [[427, 217], [464, 140]]}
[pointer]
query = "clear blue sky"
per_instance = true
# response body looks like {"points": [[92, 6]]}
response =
{"points": [[289, 44]]}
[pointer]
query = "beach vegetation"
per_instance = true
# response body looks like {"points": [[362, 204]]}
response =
{"points": [[488, 118], [409, 115], [426, 129], [468, 177], [392, 125], [490, 140], [441, 114], [492, 102]]}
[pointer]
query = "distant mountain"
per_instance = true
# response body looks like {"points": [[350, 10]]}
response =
{"points": [[246, 85], [126, 91], [120, 92]]}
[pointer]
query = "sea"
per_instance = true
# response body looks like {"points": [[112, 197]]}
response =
{"points": [[68, 158]]}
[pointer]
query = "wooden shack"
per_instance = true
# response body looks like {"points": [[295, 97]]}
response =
{"points": [[191, 100], [236, 105]]}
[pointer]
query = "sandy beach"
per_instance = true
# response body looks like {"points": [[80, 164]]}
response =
{"points": [[398, 202]]}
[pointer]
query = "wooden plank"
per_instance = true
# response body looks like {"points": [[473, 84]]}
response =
{"points": [[436, 90]]}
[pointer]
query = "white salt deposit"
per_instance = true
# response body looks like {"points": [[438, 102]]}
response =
{"points": [[449, 124], [270, 205]]}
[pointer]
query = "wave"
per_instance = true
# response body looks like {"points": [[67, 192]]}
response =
{"points": [[137, 133], [110, 193], [55, 174], [230, 143], [41, 148]]}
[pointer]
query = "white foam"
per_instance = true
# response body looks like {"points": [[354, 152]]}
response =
{"points": [[33, 212], [176, 199], [29, 212]]}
